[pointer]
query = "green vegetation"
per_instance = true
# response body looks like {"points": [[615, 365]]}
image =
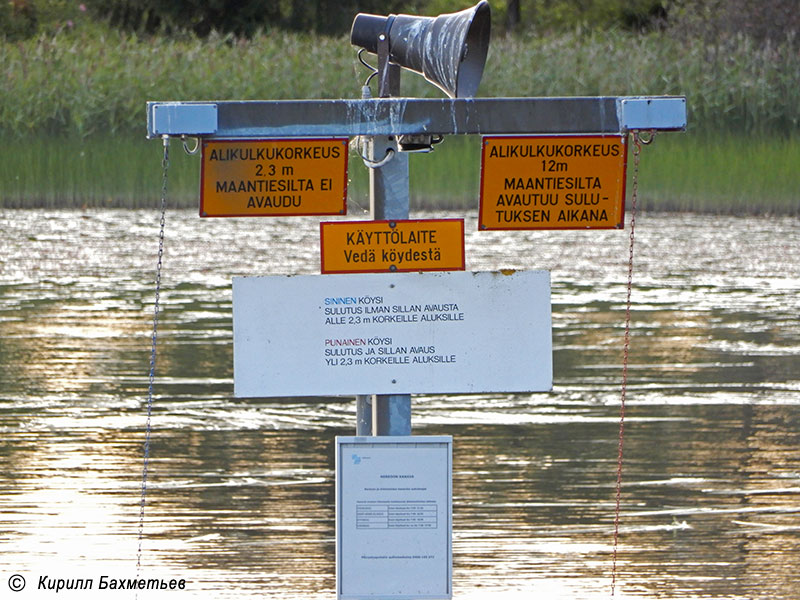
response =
{"points": [[684, 172], [81, 83], [72, 116], [113, 171], [721, 173], [724, 173], [245, 18], [762, 20]]}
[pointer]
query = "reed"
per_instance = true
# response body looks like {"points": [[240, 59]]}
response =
{"points": [[113, 171], [724, 173], [680, 171], [734, 85], [697, 172], [72, 114], [92, 80]]}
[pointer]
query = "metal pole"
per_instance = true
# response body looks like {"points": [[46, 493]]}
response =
{"points": [[388, 185], [388, 200], [363, 415], [386, 414]]}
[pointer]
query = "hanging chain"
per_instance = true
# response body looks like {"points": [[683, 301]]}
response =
{"points": [[154, 339], [638, 141]]}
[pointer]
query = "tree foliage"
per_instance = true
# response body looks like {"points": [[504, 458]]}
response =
{"points": [[710, 20], [237, 17], [716, 20]]}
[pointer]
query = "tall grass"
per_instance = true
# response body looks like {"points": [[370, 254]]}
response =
{"points": [[721, 173], [724, 174], [119, 171], [734, 85], [688, 172], [72, 111], [93, 80], [98, 83], [123, 171]]}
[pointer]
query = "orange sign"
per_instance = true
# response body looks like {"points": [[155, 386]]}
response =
{"points": [[553, 182], [381, 246], [291, 177]]}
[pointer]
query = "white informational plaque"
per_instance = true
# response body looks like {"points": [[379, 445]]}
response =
{"points": [[394, 517], [392, 333]]}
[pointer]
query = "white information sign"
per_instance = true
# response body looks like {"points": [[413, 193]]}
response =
{"points": [[393, 517], [392, 333]]}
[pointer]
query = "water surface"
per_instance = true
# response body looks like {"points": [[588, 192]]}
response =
{"points": [[240, 492]]}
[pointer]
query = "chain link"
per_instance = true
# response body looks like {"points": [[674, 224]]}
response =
{"points": [[637, 149], [153, 340]]}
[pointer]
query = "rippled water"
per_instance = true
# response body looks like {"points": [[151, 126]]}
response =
{"points": [[240, 496]]}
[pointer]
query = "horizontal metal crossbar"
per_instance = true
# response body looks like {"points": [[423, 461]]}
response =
{"points": [[396, 116]]}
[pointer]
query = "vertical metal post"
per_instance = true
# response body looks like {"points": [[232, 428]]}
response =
{"points": [[388, 186], [364, 415], [386, 414]]}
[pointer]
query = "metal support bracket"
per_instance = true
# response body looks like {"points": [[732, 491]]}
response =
{"points": [[181, 118], [388, 73], [399, 116], [652, 113]]}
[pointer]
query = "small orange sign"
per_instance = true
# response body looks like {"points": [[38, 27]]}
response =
{"points": [[392, 246], [553, 182], [287, 177]]}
